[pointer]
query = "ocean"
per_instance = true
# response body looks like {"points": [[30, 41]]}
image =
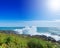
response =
{"points": [[10, 28], [39, 29], [54, 32]]}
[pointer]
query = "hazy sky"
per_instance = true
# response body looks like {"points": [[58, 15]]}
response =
{"points": [[13, 11]]}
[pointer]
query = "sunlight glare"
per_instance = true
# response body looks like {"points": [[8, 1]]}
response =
{"points": [[54, 5]]}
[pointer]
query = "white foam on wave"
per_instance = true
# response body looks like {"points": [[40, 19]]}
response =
{"points": [[56, 37], [33, 31], [19, 31]]}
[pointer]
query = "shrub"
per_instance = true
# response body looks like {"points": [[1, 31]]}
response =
{"points": [[34, 44]]}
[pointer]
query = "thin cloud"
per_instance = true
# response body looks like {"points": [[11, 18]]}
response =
{"points": [[42, 23]]}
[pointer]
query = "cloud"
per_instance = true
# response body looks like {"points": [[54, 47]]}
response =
{"points": [[41, 23]]}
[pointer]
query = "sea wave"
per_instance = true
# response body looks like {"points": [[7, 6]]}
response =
{"points": [[33, 31]]}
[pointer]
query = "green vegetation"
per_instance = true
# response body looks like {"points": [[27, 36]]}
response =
{"points": [[22, 41]]}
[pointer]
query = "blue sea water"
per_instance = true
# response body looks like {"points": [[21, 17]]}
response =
{"points": [[49, 29], [39, 29], [10, 28]]}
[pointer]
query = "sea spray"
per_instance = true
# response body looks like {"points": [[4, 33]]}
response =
{"points": [[33, 31]]}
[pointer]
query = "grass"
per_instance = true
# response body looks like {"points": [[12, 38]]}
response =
{"points": [[20, 41]]}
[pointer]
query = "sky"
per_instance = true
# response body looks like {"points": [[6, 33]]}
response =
{"points": [[19, 11]]}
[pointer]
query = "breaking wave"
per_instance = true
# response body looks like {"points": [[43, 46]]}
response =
{"points": [[33, 31]]}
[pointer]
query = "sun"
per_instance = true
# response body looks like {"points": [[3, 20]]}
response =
{"points": [[54, 5]]}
